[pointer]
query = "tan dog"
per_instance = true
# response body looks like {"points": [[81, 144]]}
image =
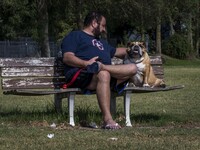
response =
{"points": [[136, 53]]}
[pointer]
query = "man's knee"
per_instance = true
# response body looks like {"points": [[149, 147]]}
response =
{"points": [[104, 76], [132, 69]]}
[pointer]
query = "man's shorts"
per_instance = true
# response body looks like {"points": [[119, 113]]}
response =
{"points": [[84, 78], [82, 81]]}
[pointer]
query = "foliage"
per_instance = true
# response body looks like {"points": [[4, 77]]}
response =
{"points": [[21, 18], [17, 19], [177, 46]]}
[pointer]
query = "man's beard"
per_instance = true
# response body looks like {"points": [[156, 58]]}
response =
{"points": [[96, 31]]}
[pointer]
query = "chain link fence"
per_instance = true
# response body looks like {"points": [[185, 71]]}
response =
{"points": [[24, 48]]}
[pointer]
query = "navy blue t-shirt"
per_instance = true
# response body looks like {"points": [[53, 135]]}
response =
{"points": [[86, 47]]}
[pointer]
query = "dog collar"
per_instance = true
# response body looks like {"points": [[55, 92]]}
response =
{"points": [[139, 61]]}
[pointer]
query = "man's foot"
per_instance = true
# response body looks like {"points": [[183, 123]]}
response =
{"points": [[111, 125]]}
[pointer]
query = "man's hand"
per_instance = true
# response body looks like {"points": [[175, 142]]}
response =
{"points": [[71, 60], [94, 59]]}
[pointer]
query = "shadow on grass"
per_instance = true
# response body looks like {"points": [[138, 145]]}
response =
{"points": [[37, 115], [145, 117], [83, 115], [153, 119]]}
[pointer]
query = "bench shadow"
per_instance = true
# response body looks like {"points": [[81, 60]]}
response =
{"points": [[28, 114], [83, 116], [144, 117]]}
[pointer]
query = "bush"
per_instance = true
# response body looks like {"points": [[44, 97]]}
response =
{"points": [[176, 46]]}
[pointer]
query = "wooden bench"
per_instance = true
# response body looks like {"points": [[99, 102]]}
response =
{"points": [[44, 76]]}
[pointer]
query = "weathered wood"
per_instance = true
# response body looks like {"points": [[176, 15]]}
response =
{"points": [[155, 60], [27, 92], [28, 71], [32, 72], [149, 89], [32, 83], [22, 62]]}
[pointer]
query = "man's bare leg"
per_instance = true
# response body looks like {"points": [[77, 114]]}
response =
{"points": [[103, 96], [101, 82], [121, 72]]}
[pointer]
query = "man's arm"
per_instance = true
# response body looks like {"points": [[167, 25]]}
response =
{"points": [[70, 59], [120, 52]]}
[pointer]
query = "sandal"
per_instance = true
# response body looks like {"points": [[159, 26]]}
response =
{"points": [[115, 126]]}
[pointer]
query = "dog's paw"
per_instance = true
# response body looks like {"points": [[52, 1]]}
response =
{"points": [[146, 85], [130, 84]]}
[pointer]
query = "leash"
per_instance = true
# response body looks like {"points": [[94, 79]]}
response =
{"points": [[137, 61], [93, 68], [66, 85]]}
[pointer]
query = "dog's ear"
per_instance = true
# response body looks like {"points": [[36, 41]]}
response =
{"points": [[128, 44], [143, 44], [128, 49]]}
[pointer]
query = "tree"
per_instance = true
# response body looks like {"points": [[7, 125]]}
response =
{"points": [[44, 19], [188, 15], [16, 19], [43, 27]]}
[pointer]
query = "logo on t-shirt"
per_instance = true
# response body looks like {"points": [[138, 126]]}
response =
{"points": [[98, 44]]}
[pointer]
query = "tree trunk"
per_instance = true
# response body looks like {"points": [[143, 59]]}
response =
{"points": [[197, 33], [142, 24], [171, 26], [158, 36], [43, 28], [79, 14], [190, 36]]}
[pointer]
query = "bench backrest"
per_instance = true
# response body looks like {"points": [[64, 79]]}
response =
{"points": [[31, 73], [44, 73]]}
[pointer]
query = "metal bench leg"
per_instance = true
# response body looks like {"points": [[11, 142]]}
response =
{"points": [[71, 99], [113, 103], [127, 98], [58, 103]]}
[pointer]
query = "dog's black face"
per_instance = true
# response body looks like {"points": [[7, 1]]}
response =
{"points": [[136, 49]]}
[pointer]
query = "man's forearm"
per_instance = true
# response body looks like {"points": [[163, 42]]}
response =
{"points": [[120, 52], [74, 61]]}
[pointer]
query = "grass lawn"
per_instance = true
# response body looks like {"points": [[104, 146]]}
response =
{"points": [[162, 120]]}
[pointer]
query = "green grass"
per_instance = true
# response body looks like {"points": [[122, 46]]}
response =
{"points": [[162, 120], [168, 61]]}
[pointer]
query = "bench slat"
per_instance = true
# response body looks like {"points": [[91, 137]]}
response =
{"points": [[156, 60], [27, 92], [31, 71], [149, 89], [21, 62], [32, 83], [47, 71], [158, 71], [27, 71]]}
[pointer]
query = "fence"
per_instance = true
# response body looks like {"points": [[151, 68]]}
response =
{"points": [[26, 48]]}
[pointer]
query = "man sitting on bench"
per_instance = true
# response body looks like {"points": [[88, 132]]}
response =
{"points": [[87, 60]]}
